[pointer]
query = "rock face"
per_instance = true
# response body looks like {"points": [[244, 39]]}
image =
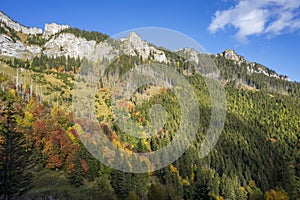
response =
{"points": [[17, 27], [69, 45], [190, 54], [17, 49], [51, 29], [232, 55], [134, 46]]}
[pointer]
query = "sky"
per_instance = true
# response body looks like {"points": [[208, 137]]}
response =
{"points": [[263, 31]]}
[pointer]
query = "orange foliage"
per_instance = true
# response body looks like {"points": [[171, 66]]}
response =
{"points": [[84, 165], [54, 162]]}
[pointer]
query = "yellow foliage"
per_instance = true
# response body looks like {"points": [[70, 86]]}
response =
{"points": [[219, 198], [3, 78], [13, 92], [174, 169], [28, 119], [78, 129], [71, 135], [193, 176], [278, 194], [30, 104], [131, 107], [117, 143], [185, 182]]}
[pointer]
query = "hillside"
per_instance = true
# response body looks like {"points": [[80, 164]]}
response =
{"points": [[44, 74]]}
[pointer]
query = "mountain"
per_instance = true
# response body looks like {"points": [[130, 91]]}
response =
{"points": [[42, 152], [21, 42]]}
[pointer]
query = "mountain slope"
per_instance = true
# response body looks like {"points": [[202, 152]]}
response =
{"points": [[256, 154]]}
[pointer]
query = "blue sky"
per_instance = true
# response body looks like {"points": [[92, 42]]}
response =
{"points": [[264, 31]]}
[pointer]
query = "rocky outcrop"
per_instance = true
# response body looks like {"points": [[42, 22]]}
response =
{"points": [[53, 28], [17, 49], [17, 27], [232, 55], [68, 45], [252, 67], [190, 54], [134, 46]]}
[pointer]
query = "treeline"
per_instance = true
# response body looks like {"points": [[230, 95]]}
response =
{"points": [[45, 64], [88, 35]]}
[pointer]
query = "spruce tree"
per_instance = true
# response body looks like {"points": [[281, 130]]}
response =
{"points": [[14, 175]]}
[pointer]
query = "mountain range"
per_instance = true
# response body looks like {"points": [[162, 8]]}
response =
{"points": [[58, 40]]}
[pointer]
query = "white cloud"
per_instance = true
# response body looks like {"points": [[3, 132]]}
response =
{"points": [[255, 17]]}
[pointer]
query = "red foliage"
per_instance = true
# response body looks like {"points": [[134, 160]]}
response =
{"points": [[74, 133], [84, 165], [52, 140]]}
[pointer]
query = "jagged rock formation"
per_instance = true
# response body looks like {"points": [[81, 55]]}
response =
{"points": [[190, 54], [53, 28], [231, 55], [69, 45], [134, 46], [17, 27]]}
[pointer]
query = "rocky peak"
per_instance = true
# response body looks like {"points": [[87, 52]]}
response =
{"points": [[189, 53], [134, 45], [51, 29], [17, 27], [232, 55], [135, 40]]}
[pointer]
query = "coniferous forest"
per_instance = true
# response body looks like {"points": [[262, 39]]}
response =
{"points": [[42, 157]]}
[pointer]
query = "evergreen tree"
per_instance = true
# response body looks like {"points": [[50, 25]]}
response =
{"points": [[14, 163]]}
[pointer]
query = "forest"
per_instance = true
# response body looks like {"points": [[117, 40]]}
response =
{"points": [[256, 157]]}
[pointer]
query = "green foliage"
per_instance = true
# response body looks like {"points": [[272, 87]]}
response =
{"points": [[238, 74], [9, 32], [88, 35], [15, 177], [258, 149], [36, 39]]}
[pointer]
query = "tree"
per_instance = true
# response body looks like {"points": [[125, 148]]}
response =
{"points": [[14, 163], [157, 191], [278, 194]]}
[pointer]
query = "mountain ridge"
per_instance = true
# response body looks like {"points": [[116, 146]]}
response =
{"points": [[56, 41]]}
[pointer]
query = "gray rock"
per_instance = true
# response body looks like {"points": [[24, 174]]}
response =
{"points": [[17, 49], [17, 27], [53, 28]]}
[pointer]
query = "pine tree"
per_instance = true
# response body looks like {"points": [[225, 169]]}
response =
{"points": [[14, 176]]}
